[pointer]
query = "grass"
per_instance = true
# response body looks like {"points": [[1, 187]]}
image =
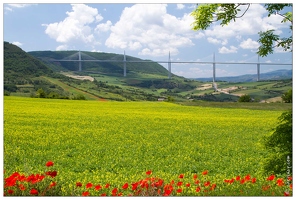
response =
{"points": [[72, 90], [241, 105]]}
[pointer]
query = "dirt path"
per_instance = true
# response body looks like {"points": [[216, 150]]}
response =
{"points": [[73, 89]]}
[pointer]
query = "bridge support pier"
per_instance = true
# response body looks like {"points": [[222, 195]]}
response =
{"points": [[258, 70], [214, 69], [169, 66]]}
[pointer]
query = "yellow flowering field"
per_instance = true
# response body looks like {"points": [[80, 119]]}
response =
{"points": [[118, 142]]}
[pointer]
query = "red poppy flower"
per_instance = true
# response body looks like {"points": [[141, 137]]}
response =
{"points": [[291, 186], [10, 191], [167, 192], [98, 187], [280, 182], [242, 181], [104, 194], [187, 184], [286, 194], [85, 193], [197, 182], [265, 187], [148, 172], [181, 176], [125, 186], [107, 185], [289, 178], [253, 180], [52, 184], [237, 178], [179, 190], [213, 186], [114, 191], [271, 177], [135, 186], [51, 173], [195, 176], [88, 185], [206, 184], [49, 164], [78, 184], [179, 183], [198, 189], [205, 172], [158, 191], [33, 191], [248, 177], [22, 187]]}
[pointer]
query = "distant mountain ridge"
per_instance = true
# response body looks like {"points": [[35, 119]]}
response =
{"points": [[273, 75]]}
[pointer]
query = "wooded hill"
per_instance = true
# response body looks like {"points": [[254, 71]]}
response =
{"points": [[105, 67], [18, 65]]}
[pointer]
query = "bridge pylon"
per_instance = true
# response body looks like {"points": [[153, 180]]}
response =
{"points": [[169, 66]]}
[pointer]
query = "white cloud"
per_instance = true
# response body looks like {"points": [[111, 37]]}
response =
{"points": [[75, 27], [249, 44], [10, 7], [151, 30], [17, 43], [217, 41], [224, 50], [180, 6], [62, 47], [19, 5], [104, 27], [7, 8]]}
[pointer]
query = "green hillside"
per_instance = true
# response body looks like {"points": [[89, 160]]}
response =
{"points": [[20, 65], [106, 68]]}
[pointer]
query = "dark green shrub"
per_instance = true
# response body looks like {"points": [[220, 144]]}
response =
{"points": [[287, 97], [245, 98], [280, 145]]}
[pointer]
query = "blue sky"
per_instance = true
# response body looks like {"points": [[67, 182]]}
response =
{"points": [[147, 31]]}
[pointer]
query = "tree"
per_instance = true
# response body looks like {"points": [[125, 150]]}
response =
{"points": [[206, 14], [280, 145], [287, 96], [245, 98], [40, 93]]}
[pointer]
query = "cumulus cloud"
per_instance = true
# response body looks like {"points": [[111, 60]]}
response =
{"points": [[17, 43], [19, 5], [249, 44], [11, 6], [180, 6], [149, 29], [104, 27], [224, 50], [76, 26], [217, 41]]}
